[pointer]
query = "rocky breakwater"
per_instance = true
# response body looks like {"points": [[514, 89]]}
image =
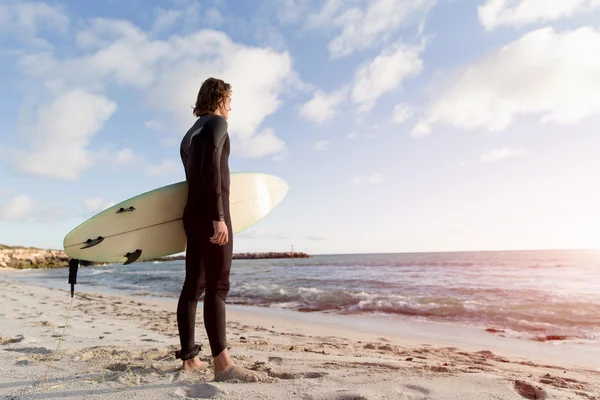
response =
{"points": [[15, 257]]}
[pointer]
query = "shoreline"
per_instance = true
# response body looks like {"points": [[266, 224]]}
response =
{"points": [[486, 334], [321, 356], [19, 257]]}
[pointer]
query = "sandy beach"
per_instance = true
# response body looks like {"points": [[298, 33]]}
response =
{"points": [[123, 347]]}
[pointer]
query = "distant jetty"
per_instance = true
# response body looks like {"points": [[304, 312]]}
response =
{"points": [[31, 257], [246, 256]]}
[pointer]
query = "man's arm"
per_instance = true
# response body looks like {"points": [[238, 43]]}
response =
{"points": [[214, 138]]}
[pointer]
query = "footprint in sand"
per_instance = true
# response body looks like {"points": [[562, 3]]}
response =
{"points": [[32, 350], [199, 391], [529, 391], [417, 392], [350, 396], [276, 360], [9, 340]]}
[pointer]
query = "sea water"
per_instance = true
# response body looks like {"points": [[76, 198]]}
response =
{"points": [[531, 294]]}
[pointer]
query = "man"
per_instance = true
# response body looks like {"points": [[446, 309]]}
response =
{"points": [[207, 222]]}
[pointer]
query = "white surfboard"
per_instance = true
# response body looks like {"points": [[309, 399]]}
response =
{"points": [[149, 225]]}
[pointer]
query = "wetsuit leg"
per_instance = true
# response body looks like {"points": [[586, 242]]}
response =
{"points": [[218, 266], [193, 287]]}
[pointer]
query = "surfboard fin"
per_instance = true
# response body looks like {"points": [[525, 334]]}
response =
{"points": [[93, 242], [123, 209], [132, 257]]}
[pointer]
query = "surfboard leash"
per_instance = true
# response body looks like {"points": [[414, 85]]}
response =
{"points": [[73, 268]]}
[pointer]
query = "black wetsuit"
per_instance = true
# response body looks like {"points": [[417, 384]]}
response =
{"points": [[205, 156]]}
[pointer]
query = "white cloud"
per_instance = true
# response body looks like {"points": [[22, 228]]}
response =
{"points": [[385, 73], [377, 177], [496, 13], [169, 72], [214, 17], [550, 75], [263, 144], [154, 125], [62, 134], [372, 179], [421, 129], [321, 145], [128, 158], [102, 32], [322, 105], [502, 154], [51, 214], [125, 157], [364, 27], [352, 135], [166, 167], [402, 112], [93, 204], [165, 19], [24, 20], [18, 208], [253, 99], [290, 11]]}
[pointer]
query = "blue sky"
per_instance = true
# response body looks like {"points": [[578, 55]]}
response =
{"points": [[426, 125]]}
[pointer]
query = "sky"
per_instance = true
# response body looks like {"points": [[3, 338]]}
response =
{"points": [[400, 125]]}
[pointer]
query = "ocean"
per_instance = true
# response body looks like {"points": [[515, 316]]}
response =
{"points": [[526, 294]]}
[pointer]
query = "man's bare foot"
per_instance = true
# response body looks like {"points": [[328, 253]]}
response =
{"points": [[226, 371], [194, 364]]}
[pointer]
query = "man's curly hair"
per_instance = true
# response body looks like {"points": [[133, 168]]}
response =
{"points": [[212, 93]]}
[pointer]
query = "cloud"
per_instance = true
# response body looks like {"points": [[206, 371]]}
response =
{"points": [[165, 19], [127, 157], [381, 75], [169, 72], [373, 179], [154, 125], [385, 73], [376, 178], [25, 20], [290, 11], [322, 106], [422, 129], [549, 75], [363, 27], [93, 204], [496, 13], [19, 207], [254, 99], [321, 145], [502, 154], [59, 141], [51, 214], [352, 135], [402, 112], [165, 167]]}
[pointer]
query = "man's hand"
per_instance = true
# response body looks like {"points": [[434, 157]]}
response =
{"points": [[221, 236]]}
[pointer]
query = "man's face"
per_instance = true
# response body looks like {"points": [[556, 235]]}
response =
{"points": [[226, 107]]}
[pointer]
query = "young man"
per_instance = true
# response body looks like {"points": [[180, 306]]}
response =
{"points": [[207, 222]]}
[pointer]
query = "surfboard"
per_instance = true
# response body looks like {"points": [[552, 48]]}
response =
{"points": [[150, 224]]}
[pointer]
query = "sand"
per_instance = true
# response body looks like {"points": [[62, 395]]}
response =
{"points": [[119, 347]]}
